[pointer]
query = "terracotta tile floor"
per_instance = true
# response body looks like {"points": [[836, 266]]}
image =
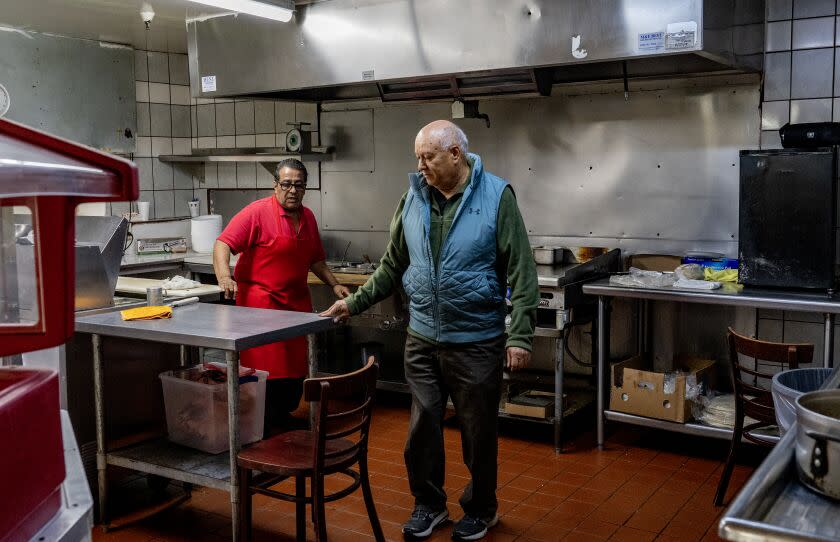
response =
{"points": [[644, 486]]}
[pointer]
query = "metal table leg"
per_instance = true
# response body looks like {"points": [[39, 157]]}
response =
{"points": [[312, 351], [99, 410], [828, 346], [603, 352], [560, 359], [232, 359]]}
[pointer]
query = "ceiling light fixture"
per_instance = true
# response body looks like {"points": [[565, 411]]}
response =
{"points": [[277, 10]]}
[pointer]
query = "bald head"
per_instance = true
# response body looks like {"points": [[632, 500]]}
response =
{"points": [[441, 150], [445, 135]]}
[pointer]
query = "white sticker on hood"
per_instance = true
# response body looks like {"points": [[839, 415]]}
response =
{"points": [[681, 35], [577, 52], [208, 83]]}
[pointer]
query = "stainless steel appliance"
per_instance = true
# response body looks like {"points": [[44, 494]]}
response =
{"points": [[99, 248], [787, 218], [405, 49]]}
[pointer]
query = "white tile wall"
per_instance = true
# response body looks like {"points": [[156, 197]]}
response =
{"points": [[171, 121], [802, 65]]}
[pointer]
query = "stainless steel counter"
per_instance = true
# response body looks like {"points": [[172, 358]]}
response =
{"points": [[775, 506], [730, 295], [226, 327], [727, 295]]}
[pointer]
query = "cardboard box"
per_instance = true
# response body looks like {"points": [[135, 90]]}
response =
{"points": [[636, 390], [532, 403], [654, 262]]}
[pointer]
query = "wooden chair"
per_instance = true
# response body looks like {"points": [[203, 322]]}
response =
{"points": [[339, 439], [750, 398]]}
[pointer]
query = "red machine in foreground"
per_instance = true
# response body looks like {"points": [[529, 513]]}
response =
{"points": [[42, 180]]}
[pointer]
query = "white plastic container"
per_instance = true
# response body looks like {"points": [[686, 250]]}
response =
{"points": [[204, 230], [197, 412], [790, 384]]}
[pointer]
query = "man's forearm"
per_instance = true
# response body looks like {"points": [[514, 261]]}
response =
{"points": [[221, 260], [323, 272]]}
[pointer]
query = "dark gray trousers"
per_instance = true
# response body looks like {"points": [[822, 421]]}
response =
{"points": [[471, 374]]}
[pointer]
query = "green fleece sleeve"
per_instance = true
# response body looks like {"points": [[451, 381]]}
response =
{"points": [[515, 257], [390, 271]]}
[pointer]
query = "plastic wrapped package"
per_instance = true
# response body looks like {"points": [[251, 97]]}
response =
{"points": [[644, 279], [690, 271]]}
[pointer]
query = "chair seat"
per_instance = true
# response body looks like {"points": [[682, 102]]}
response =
{"points": [[292, 453]]}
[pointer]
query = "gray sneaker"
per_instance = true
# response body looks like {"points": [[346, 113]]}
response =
{"points": [[423, 521], [473, 528]]}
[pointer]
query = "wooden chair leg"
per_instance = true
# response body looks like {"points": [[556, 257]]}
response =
{"points": [[300, 508], [723, 484], [318, 508], [244, 494], [369, 504]]}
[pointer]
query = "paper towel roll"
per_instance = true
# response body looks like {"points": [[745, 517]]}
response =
{"points": [[203, 232]]}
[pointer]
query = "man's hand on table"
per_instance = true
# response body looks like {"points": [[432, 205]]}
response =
{"points": [[341, 291], [517, 358], [339, 311], [229, 286]]}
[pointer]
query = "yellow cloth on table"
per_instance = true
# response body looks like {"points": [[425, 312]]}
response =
{"points": [[720, 275], [146, 313]]}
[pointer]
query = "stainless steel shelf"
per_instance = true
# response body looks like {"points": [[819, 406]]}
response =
{"points": [[273, 154], [695, 429], [176, 462]]}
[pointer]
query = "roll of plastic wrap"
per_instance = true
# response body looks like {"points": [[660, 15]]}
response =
{"points": [[204, 230]]}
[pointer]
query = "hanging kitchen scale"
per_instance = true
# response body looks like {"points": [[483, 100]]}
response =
{"points": [[298, 139]]}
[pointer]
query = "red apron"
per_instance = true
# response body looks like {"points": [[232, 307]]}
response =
{"points": [[274, 276]]}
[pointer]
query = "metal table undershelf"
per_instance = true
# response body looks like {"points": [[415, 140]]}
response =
{"points": [[728, 295], [775, 506], [226, 327]]}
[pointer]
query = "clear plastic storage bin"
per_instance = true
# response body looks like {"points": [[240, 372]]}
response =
{"points": [[197, 410]]}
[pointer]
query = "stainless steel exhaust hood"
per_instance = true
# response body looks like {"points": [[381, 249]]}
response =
{"points": [[427, 49]]}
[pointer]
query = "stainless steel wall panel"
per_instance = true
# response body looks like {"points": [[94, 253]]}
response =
{"points": [[352, 134], [661, 178], [78, 89]]}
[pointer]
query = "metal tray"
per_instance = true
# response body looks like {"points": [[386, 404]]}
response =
{"points": [[774, 505]]}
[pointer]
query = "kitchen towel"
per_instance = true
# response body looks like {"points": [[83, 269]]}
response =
{"points": [[146, 313]]}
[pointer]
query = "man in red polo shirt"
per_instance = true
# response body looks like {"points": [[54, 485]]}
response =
{"points": [[278, 244]]}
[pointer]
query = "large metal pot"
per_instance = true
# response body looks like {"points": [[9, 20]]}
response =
{"points": [[818, 441], [548, 255]]}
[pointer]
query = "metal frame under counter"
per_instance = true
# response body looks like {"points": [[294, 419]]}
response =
{"points": [[226, 327], [735, 297], [775, 506]]}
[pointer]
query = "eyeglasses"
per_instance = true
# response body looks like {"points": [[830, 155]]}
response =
{"points": [[286, 186]]}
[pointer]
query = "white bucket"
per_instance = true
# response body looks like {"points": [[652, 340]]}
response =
{"points": [[203, 232]]}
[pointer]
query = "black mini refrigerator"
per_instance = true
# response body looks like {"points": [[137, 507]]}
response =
{"points": [[787, 223]]}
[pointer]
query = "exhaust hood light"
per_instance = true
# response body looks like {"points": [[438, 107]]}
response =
{"points": [[277, 10]]}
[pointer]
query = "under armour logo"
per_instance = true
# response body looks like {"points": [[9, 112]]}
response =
{"points": [[474, 211]]}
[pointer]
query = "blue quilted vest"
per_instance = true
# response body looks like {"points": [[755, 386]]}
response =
{"points": [[462, 299]]}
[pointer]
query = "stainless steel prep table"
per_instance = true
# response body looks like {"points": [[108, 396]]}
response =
{"points": [[225, 327], [774, 505], [735, 297]]}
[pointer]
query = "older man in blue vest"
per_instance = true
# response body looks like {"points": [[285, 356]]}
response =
{"points": [[457, 241]]}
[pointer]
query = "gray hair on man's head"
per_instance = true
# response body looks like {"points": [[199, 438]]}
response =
{"points": [[447, 135]]}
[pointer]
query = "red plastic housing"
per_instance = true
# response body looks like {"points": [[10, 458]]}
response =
{"points": [[52, 176], [31, 452]]}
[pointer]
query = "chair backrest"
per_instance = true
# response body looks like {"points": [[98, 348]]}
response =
{"points": [[750, 398], [343, 408]]}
